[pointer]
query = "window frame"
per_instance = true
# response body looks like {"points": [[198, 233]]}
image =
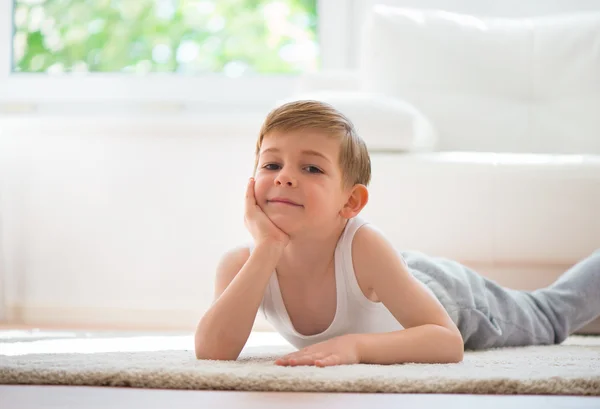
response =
{"points": [[211, 90]]}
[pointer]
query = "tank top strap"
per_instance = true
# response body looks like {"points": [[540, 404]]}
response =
{"points": [[347, 285], [351, 228]]}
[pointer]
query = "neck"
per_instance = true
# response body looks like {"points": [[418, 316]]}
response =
{"points": [[310, 256]]}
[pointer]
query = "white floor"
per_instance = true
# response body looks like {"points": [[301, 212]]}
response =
{"points": [[38, 397]]}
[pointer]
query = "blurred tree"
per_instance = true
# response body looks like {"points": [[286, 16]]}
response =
{"points": [[235, 37]]}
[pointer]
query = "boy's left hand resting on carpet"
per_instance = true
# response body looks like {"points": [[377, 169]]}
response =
{"points": [[342, 350]]}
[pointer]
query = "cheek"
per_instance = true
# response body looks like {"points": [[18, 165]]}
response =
{"points": [[319, 195], [327, 195]]}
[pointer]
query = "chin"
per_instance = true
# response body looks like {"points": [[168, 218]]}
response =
{"points": [[287, 223]]}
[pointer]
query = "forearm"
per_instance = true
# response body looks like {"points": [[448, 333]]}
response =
{"points": [[423, 344], [224, 329]]}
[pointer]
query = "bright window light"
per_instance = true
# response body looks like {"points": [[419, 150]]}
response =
{"points": [[193, 37], [206, 55]]}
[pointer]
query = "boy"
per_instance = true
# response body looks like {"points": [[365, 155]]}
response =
{"points": [[335, 288]]}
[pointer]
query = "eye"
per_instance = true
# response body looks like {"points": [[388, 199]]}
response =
{"points": [[271, 166], [313, 169]]}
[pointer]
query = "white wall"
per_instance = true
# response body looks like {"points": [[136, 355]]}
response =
{"points": [[129, 218]]}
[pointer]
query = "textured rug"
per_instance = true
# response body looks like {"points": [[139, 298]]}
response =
{"points": [[167, 361]]}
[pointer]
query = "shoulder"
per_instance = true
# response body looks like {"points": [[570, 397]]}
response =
{"points": [[373, 255], [369, 242], [229, 265]]}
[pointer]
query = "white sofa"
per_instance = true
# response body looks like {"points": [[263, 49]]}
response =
{"points": [[510, 181]]}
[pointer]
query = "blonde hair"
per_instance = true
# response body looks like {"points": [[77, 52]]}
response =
{"points": [[354, 159]]}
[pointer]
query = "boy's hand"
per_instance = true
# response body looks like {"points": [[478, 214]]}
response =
{"points": [[342, 350], [262, 229]]}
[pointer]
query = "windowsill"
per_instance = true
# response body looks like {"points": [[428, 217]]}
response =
{"points": [[140, 123]]}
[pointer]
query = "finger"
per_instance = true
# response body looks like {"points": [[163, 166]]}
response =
{"points": [[250, 191], [330, 360], [298, 353], [307, 359], [250, 199], [285, 360]]}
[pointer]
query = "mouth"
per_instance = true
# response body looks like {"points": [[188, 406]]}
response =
{"points": [[285, 202]]}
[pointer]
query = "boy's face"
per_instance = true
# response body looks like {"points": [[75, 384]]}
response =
{"points": [[299, 181]]}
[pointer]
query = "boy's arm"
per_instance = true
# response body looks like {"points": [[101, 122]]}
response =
{"points": [[430, 335], [240, 284], [241, 280]]}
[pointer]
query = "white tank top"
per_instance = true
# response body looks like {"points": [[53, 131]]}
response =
{"points": [[354, 312]]}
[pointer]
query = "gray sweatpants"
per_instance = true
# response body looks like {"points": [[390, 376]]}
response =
{"points": [[490, 316]]}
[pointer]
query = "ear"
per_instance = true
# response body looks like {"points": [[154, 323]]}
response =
{"points": [[359, 196]]}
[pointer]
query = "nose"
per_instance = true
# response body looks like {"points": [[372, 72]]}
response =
{"points": [[285, 178]]}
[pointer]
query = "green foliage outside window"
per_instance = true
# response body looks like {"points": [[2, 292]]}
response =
{"points": [[235, 37]]}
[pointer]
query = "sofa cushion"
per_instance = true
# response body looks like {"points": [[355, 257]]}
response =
{"points": [[489, 208], [491, 84], [384, 122]]}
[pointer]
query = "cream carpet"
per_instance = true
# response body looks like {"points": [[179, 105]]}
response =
{"points": [[167, 361]]}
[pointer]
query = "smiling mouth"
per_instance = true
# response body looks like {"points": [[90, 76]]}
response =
{"points": [[284, 202]]}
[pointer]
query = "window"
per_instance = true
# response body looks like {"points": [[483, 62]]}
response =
{"points": [[142, 36], [218, 53]]}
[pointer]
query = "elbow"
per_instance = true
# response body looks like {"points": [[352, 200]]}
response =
{"points": [[454, 350], [457, 357], [202, 354], [210, 350], [214, 354], [201, 344], [458, 349]]}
